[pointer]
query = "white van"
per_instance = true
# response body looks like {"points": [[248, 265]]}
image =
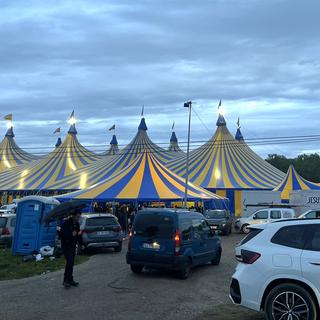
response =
{"points": [[265, 215]]}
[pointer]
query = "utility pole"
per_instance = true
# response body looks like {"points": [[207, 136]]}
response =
{"points": [[189, 106]]}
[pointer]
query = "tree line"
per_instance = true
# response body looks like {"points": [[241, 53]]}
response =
{"points": [[307, 165]]}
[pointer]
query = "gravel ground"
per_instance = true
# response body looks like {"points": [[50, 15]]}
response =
{"points": [[108, 290]]}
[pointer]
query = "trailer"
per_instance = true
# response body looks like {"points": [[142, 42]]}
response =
{"points": [[305, 200], [252, 200]]}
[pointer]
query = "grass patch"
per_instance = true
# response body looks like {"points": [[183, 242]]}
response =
{"points": [[12, 267]]}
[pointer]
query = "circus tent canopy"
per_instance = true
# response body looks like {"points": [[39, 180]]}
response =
{"points": [[10, 153], [105, 167], [37, 175], [293, 181], [174, 146], [226, 163], [145, 179]]}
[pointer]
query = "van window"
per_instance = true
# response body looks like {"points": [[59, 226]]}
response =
{"points": [[261, 215], [275, 214], [3, 222], [287, 214], [200, 228], [185, 227], [100, 221], [154, 225]]}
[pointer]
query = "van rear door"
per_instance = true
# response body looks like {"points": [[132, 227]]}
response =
{"points": [[153, 235]]}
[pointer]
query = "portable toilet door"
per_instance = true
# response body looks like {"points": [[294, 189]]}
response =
{"points": [[29, 224]]}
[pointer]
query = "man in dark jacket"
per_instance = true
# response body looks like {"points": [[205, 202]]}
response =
{"points": [[69, 234]]}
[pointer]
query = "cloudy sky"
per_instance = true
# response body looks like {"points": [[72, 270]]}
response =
{"points": [[105, 59]]}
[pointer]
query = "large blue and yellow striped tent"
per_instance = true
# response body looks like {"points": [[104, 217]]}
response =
{"points": [[174, 145], [225, 165], [108, 165], [145, 179], [10, 153], [37, 175], [293, 181]]}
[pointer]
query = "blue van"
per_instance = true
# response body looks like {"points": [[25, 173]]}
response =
{"points": [[173, 240]]}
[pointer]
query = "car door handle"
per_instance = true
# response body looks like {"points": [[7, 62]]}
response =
{"points": [[315, 263]]}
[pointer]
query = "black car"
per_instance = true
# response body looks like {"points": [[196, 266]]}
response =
{"points": [[219, 220]]}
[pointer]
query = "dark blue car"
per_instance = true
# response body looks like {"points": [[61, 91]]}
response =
{"points": [[172, 240]]}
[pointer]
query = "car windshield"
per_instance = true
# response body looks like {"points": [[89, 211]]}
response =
{"points": [[154, 225], [100, 221], [3, 222], [3, 208], [215, 214]]}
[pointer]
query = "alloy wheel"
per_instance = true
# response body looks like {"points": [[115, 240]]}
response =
{"points": [[290, 306]]}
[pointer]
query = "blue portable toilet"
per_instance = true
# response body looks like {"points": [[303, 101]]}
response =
{"points": [[31, 232]]}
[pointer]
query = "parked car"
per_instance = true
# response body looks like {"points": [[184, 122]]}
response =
{"points": [[278, 270], [263, 216], [172, 240], [8, 208], [310, 214], [219, 220], [101, 230], [7, 225]]}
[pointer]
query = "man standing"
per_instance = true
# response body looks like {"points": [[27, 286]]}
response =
{"points": [[69, 234]]}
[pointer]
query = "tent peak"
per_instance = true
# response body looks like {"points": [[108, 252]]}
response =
{"points": [[114, 141], [10, 133], [72, 129], [221, 121], [239, 135], [173, 137], [59, 142], [143, 125]]}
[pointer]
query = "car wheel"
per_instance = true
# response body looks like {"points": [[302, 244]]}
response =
{"points": [[118, 249], [290, 301], [135, 268], [185, 272], [216, 260], [245, 229]]}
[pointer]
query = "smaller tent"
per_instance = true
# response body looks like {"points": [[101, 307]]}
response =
{"points": [[174, 146], [145, 179], [114, 149], [293, 181]]}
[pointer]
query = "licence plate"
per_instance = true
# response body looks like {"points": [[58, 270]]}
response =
{"points": [[214, 227], [154, 246], [103, 233]]}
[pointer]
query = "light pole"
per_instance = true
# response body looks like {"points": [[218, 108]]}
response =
{"points": [[189, 106]]}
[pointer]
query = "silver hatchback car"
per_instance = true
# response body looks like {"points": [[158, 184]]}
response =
{"points": [[101, 230], [7, 226]]}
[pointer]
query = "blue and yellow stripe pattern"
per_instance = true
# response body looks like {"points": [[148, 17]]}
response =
{"points": [[145, 179], [226, 163], [174, 145], [110, 164], [293, 181], [10, 153], [39, 174]]}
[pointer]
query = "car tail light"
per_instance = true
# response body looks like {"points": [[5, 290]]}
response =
{"points": [[5, 232], [86, 231], [177, 242], [117, 229], [130, 239], [248, 257]]}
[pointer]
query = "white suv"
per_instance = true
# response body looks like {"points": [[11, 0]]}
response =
{"points": [[279, 270]]}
